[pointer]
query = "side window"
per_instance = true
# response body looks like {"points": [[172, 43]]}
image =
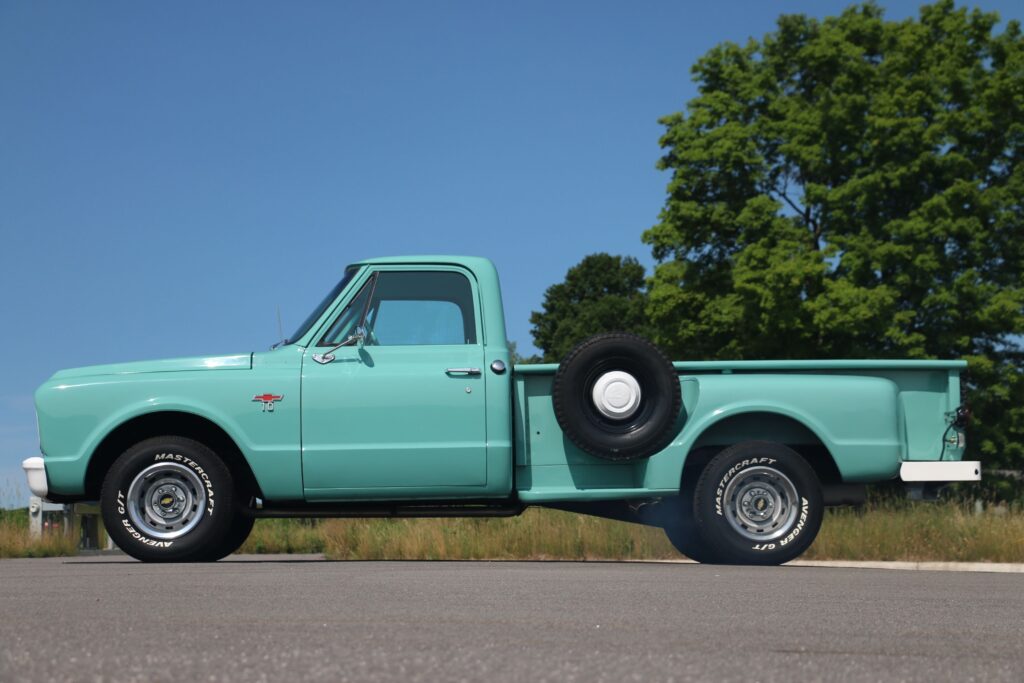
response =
{"points": [[421, 308], [345, 324]]}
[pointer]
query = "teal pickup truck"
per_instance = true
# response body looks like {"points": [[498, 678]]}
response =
{"points": [[396, 397]]}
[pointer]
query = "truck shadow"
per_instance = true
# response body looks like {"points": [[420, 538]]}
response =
{"points": [[314, 559]]}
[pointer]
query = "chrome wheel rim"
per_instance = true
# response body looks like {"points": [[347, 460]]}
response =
{"points": [[761, 503], [166, 500]]}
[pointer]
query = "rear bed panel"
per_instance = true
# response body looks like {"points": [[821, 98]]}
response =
{"points": [[871, 415]]}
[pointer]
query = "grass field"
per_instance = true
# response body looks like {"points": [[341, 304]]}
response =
{"points": [[15, 541], [882, 531], [945, 532]]}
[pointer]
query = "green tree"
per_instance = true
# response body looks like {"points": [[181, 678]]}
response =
{"points": [[602, 293], [853, 187], [518, 358]]}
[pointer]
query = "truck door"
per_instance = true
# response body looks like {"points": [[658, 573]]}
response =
{"points": [[400, 410]]}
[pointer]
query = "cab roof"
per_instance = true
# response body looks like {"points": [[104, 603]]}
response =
{"points": [[471, 262]]}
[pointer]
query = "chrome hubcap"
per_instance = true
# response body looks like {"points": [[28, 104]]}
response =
{"points": [[166, 500], [761, 503], [616, 395]]}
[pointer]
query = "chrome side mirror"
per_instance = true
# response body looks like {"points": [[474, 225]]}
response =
{"points": [[356, 338], [359, 337]]}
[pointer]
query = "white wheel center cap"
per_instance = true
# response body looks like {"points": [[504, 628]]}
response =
{"points": [[616, 394]]}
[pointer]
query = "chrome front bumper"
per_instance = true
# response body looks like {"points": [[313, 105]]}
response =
{"points": [[940, 470], [35, 471]]}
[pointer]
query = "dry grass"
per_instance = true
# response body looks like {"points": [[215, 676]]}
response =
{"points": [[942, 532], [945, 532], [285, 536], [537, 534], [882, 531], [15, 541]]}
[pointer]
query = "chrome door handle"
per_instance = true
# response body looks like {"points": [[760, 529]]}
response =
{"points": [[462, 371]]}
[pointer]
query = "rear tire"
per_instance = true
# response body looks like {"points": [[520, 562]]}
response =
{"points": [[168, 499], [686, 540], [758, 502], [681, 526]]}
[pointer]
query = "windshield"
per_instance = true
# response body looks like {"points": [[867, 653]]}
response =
{"points": [[350, 273]]}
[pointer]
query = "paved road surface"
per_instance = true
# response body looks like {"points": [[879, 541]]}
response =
{"points": [[271, 618]]}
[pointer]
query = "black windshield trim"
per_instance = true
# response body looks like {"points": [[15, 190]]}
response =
{"points": [[332, 296]]}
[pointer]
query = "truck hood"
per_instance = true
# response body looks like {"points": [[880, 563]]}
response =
{"points": [[241, 361]]}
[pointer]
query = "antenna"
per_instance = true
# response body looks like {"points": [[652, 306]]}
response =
{"points": [[280, 329]]}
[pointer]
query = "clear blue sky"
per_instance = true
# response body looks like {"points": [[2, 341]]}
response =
{"points": [[170, 173]]}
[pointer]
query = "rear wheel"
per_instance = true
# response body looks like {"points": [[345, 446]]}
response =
{"points": [[168, 499], [758, 502], [681, 526], [685, 539]]}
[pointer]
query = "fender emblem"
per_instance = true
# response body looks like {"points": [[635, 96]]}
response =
{"points": [[268, 401]]}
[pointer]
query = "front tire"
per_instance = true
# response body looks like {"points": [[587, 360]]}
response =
{"points": [[241, 527], [168, 499], [758, 502]]}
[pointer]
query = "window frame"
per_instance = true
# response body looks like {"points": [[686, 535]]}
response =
{"points": [[372, 284], [375, 272]]}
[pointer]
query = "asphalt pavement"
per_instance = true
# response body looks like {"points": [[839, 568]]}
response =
{"points": [[275, 618]]}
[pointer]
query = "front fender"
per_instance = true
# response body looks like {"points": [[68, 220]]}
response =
{"points": [[75, 418]]}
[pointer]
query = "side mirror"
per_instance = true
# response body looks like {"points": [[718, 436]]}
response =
{"points": [[356, 338]]}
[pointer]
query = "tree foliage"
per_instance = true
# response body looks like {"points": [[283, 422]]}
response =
{"points": [[518, 358], [853, 187], [602, 293], [849, 188]]}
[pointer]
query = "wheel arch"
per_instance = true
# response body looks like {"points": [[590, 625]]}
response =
{"points": [[168, 422], [762, 424]]}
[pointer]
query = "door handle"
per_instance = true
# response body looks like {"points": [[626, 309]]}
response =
{"points": [[462, 371]]}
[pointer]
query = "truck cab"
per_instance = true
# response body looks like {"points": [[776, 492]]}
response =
{"points": [[406, 385]]}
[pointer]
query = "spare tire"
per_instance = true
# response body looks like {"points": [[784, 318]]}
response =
{"points": [[617, 397]]}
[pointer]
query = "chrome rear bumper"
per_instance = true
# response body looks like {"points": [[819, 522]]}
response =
{"points": [[940, 470]]}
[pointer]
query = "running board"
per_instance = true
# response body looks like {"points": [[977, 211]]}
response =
{"points": [[505, 508]]}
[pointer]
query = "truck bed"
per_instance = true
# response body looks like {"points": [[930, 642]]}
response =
{"points": [[866, 416]]}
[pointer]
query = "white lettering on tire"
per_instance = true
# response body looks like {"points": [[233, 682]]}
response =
{"points": [[791, 536], [143, 539], [738, 467], [800, 523], [177, 457], [121, 504]]}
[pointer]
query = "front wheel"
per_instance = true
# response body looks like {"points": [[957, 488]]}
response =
{"points": [[241, 527], [168, 499], [758, 502]]}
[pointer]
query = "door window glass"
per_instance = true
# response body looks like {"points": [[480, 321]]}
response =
{"points": [[421, 308]]}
